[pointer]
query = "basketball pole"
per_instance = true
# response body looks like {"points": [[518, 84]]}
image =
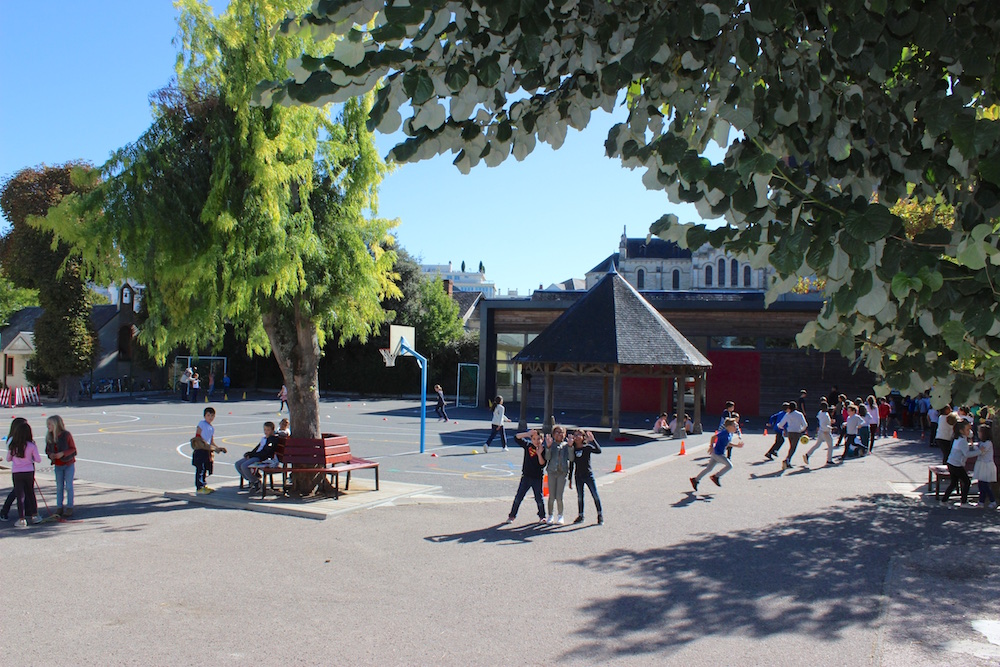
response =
{"points": [[422, 362]]}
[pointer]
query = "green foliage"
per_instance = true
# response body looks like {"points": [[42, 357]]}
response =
{"points": [[13, 299], [818, 106], [226, 211], [65, 341]]}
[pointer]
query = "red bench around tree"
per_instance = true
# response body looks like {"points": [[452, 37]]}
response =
{"points": [[329, 456]]}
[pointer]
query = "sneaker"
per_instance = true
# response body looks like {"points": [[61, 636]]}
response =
{"points": [[203, 491], [68, 511], [548, 519], [504, 448], [992, 506], [21, 523], [769, 456], [509, 519], [578, 519], [715, 480], [600, 519], [4, 517], [694, 483], [36, 519], [785, 465], [59, 511], [486, 449], [543, 520], [562, 521], [805, 459]]}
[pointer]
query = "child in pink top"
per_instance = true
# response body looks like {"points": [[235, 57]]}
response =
{"points": [[23, 455]]}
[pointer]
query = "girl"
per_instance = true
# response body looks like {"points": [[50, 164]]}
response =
{"points": [[557, 467], [584, 445], [985, 471], [960, 453], [864, 429], [61, 450], [283, 429], [195, 386], [873, 422], [496, 426], [12, 496], [439, 408], [283, 397], [23, 455], [852, 425]]}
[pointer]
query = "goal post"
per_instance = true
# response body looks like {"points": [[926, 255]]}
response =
{"points": [[467, 386]]}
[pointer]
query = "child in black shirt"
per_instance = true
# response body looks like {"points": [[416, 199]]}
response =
{"points": [[531, 472]]}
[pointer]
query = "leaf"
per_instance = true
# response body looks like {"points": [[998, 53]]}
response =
{"points": [[979, 320], [972, 254], [693, 167], [870, 225], [838, 148], [488, 72], [456, 77], [932, 279], [697, 236], [903, 284], [418, 86], [759, 163]]}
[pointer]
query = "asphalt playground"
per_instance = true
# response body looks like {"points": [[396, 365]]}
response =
{"points": [[145, 443]]}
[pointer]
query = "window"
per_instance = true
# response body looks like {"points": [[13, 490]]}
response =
{"points": [[775, 343], [733, 342], [734, 273], [747, 276], [677, 279], [722, 273], [10, 365], [708, 276], [640, 279]]}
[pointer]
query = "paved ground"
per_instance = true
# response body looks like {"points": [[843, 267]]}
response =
{"points": [[833, 566]]}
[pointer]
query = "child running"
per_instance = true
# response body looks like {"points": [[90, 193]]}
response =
{"points": [[61, 450], [23, 455], [496, 426], [721, 440], [824, 434], [439, 406]]}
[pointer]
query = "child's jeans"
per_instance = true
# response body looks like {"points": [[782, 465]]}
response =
{"points": [[985, 493], [64, 482], [200, 470]]}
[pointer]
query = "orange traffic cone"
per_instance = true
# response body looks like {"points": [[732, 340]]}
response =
{"points": [[545, 486], [683, 451], [765, 430], [894, 434], [618, 465]]}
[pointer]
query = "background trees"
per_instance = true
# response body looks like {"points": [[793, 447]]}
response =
{"points": [[65, 340], [818, 106]]}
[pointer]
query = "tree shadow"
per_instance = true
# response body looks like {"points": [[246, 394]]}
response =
{"points": [[814, 574], [93, 516]]}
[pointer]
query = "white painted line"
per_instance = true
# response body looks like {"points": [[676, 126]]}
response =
{"points": [[129, 465]]}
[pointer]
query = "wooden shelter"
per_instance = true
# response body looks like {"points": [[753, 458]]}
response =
{"points": [[613, 332]]}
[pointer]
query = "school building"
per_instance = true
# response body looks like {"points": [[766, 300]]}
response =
{"points": [[755, 361]]}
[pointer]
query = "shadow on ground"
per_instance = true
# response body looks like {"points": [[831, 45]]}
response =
{"points": [[92, 514], [814, 575]]}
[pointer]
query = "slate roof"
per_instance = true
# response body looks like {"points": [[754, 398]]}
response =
{"points": [[613, 323], [466, 303], [655, 248], [568, 285], [24, 320]]}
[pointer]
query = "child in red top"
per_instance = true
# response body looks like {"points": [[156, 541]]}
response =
{"points": [[61, 450]]}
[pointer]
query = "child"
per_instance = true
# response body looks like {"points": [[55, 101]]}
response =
{"points": [[61, 450], [195, 385], [283, 397], [496, 426], [283, 430], [823, 434], [961, 451], [779, 434], [795, 425], [661, 424], [557, 468], [262, 452], [202, 447], [531, 473], [584, 445], [439, 407], [719, 442], [23, 455], [985, 471], [12, 496]]}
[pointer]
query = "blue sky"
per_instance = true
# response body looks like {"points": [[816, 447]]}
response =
{"points": [[76, 78]]}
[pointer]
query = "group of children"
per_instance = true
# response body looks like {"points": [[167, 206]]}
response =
{"points": [[954, 436], [203, 449], [22, 454], [565, 460]]}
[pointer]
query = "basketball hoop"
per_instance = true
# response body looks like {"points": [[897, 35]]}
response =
{"points": [[388, 356]]}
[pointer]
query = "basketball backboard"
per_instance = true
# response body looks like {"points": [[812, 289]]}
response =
{"points": [[398, 332]]}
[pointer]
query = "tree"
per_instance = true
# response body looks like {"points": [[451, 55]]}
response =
{"points": [[818, 106], [261, 218], [66, 344], [482, 269], [13, 298], [463, 266]]}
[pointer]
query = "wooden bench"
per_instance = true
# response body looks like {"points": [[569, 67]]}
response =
{"points": [[935, 473], [330, 456]]}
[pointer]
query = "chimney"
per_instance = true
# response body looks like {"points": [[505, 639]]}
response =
{"points": [[447, 286]]}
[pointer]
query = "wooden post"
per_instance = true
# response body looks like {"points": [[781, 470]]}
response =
{"points": [[664, 395], [548, 418], [679, 428], [616, 401], [605, 420], [522, 424], [699, 390]]}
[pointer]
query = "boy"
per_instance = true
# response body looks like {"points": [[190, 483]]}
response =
{"points": [[531, 473], [720, 441], [779, 435], [795, 425], [262, 452], [202, 447]]}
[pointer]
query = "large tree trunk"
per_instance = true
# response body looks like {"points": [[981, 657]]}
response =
{"points": [[295, 344], [69, 389]]}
